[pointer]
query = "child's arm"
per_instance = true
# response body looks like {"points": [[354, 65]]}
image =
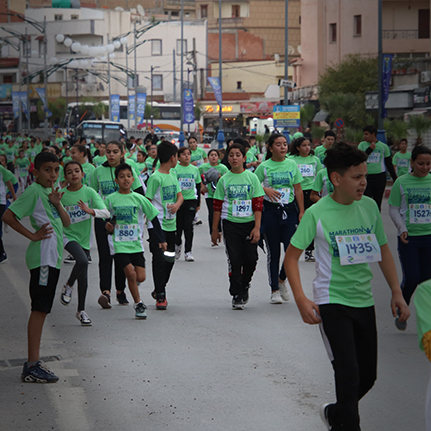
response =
{"points": [[309, 310], [11, 189], [257, 205], [215, 236], [299, 196], [314, 196], [173, 208], [43, 233], [387, 266], [55, 198]]}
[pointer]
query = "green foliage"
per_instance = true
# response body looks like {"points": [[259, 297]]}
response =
{"points": [[260, 139], [396, 129], [99, 110], [317, 132], [354, 136], [420, 124], [58, 109], [350, 107], [307, 113], [156, 112], [198, 111]]}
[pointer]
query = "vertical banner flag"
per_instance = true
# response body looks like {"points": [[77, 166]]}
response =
{"points": [[23, 99], [16, 104], [189, 110], [141, 100], [41, 94], [115, 107], [215, 84], [386, 81], [132, 107]]}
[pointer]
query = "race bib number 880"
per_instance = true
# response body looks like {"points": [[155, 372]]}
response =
{"points": [[124, 232]]}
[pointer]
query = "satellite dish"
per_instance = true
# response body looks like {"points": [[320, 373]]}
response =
{"points": [[299, 48], [290, 50], [70, 86], [119, 9], [277, 57], [141, 10]]}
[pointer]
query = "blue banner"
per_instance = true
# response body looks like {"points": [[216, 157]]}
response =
{"points": [[115, 107], [41, 94], [386, 81], [215, 84], [132, 107], [189, 109], [24, 100], [16, 104], [286, 116], [141, 100]]}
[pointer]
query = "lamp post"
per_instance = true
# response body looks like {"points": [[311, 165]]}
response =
{"points": [[286, 62], [181, 138], [220, 134], [152, 68]]}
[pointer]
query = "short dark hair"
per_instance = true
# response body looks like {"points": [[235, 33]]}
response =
{"points": [[165, 151], [237, 146], [122, 167], [240, 141], [329, 133], [420, 149], [45, 157], [72, 162], [183, 149], [403, 140], [342, 156], [370, 129]]}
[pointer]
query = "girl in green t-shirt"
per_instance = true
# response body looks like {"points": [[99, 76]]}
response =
{"points": [[81, 154]]}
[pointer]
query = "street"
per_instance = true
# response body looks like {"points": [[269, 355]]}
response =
{"points": [[199, 365]]}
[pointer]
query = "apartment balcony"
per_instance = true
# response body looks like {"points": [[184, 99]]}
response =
{"points": [[227, 23], [406, 41]]}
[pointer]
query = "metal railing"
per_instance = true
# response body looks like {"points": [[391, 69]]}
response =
{"points": [[400, 34]]}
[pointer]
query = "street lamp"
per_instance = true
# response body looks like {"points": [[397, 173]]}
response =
{"points": [[220, 134], [152, 68], [181, 138]]}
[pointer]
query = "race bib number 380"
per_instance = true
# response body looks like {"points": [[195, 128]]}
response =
{"points": [[356, 249], [241, 208]]}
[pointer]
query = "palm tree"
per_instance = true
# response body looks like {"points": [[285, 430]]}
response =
{"points": [[396, 130], [420, 124], [307, 114]]}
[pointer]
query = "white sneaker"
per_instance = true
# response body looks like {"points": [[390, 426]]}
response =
{"points": [[283, 291], [276, 298], [177, 252], [82, 316], [66, 295], [189, 257]]}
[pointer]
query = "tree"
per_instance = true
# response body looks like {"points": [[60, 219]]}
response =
{"points": [[156, 112], [307, 114], [420, 124], [396, 130], [348, 106]]}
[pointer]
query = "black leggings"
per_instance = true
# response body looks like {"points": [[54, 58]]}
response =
{"points": [[376, 184], [185, 216], [209, 202]]}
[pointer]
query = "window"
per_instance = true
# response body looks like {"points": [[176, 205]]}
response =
{"points": [[204, 11], [357, 25], [41, 48], [156, 47], [236, 11], [157, 82], [179, 46], [332, 33], [74, 17], [27, 48], [58, 17], [423, 23]]}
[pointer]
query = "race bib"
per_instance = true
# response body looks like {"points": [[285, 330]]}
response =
{"points": [[76, 214], [420, 213], [374, 158], [187, 183], [356, 249], [126, 232], [284, 198], [403, 163], [241, 208], [306, 170], [168, 215]]}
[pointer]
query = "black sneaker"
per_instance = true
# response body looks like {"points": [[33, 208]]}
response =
{"points": [[38, 373], [245, 296], [238, 302], [105, 300], [90, 260], [309, 256], [121, 298], [69, 259], [324, 416]]}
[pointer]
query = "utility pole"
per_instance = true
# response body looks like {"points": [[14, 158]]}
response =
{"points": [[109, 79], [380, 59], [220, 134], [175, 78], [181, 138], [152, 68], [45, 77], [135, 81], [195, 86], [127, 81], [19, 80], [28, 80], [286, 62]]}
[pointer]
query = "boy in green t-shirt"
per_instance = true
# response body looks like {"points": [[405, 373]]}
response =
{"points": [[238, 201], [348, 232], [164, 192], [401, 159], [320, 151], [41, 202], [23, 166], [126, 242]]}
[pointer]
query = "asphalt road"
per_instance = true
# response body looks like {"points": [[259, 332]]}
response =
{"points": [[199, 365]]}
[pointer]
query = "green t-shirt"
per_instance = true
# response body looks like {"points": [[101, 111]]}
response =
{"points": [[80, 227], [66, 159], [198, 156], [32, 153], [129, 210], [132, 156], [250, 158], [59, 141], [348, 285], [88, 172], [141, 166], [162, 189], [10, 154], [34, 202], [309, 167], [237, 191], [422, 300], [413, 196], [322, 183], [99, 160], [103, 181], [281, 176], [205, 167], [188, 176], [402, 162], [5, 176], [376, 159], [22, 165], [320, 153]]}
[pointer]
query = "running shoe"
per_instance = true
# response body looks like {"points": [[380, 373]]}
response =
{"points": [[177, 252], [324, 416], [188, 257], [283, 290], [276, 298], [154, 295], [309, 256], [69, 259], [66, 294], [245, 295], [38, 373], [105, 300], [82, 316], [3, 258], [121, 298], [140, 311], [401, 326], [197, 221], [90, 260], [238, 303], [162, 303]]}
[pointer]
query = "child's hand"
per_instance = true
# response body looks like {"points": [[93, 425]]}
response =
{"points": [[85, 207], [43, 233], [163, 246], [109, 227], [403, 237], [398, 301], [274, 195], [172, 208], [216, 237], [55, 196], [255, 235], [204, 190], [309, 311]]}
